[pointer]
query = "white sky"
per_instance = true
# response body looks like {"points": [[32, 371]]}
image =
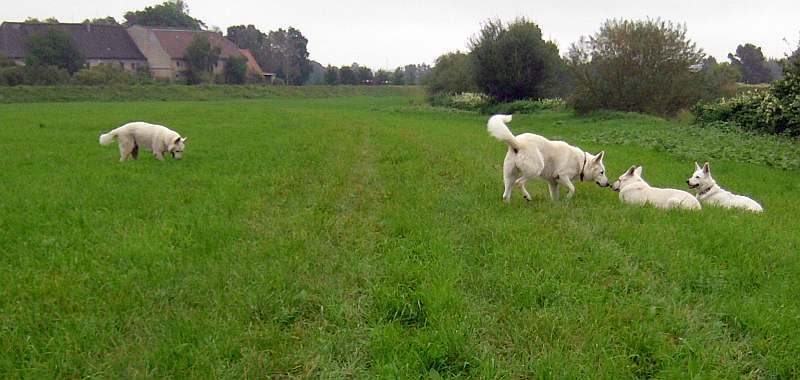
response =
{"points": [[386, 34]]}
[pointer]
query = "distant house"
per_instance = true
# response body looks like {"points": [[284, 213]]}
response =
{"points": [[252, 65], [99, 44], [165, 49]]}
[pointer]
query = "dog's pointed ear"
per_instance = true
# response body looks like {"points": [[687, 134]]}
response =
{"points": [[638, 171], [696, 166], [183, 139], [177, 140], [706, 168], [631, 170], [599, 156]]}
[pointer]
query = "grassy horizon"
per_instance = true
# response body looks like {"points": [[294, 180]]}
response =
{"points": [[366, 237]]}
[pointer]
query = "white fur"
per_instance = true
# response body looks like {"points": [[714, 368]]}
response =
{"points": [[532, 156], [709, 192], [633, 189], [156, 138]]}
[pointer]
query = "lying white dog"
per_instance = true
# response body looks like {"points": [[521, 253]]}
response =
{"points": [[530, 156], [634, 190], [709, 192], [156, 138]]}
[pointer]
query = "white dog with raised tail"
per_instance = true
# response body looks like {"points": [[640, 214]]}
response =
{"points": [[634, 190], [156, 138], [532, 156], [709, 192]]}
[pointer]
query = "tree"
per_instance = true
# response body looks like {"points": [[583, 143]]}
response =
{"points": [[173, 13], [236, 70], [512, 61], [640, 66], [751, 62], [53, 48], [101, 21], [452, 73], [347, 76], [382, 77], [364, 75], [34, 20], [717, 79], [287, 55], [398, 78], [201, 58], [331, 75]]}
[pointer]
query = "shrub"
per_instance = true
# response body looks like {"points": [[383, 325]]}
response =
{"points": [[53, 48], [776, 110], [527, 106], [452, 74], [103, 75], [12, 76], [44, 75], [236, 70], [640, 66], [512, 61]]}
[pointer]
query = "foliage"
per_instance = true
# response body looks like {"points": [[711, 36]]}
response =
{"points": [[34, 20], [172, 13], [641, 66], [451, 73], [53, 48], [776, 110], [235, 71], [398, 77], [6, 62], [201, 58], [467, 101], [103, 75], [364, 74], [382, 77], [283, 52], [331, 75], [751, 62], [102, 21], [513, 61], [717, 80], [347, 76]]}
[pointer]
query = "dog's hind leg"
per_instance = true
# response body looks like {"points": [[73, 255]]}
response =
{"points": [[125, 147], [509, 177], [135, 151], [525, 192]]}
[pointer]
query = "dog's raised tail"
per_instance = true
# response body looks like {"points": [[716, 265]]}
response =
{"points": [[107, 138], [497, 128]]}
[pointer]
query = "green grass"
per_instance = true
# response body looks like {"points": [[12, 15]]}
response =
{"points": [[365, 237]]}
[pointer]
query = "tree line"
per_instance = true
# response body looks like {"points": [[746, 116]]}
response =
{"points": [[631, 65], [356, 74]]}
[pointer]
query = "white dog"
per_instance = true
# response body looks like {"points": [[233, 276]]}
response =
{"points": [[709, 192], [156, 138], [530, 156], [634, 190]]}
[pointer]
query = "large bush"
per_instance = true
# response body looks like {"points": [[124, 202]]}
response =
{"points": [[641, 66], [513, 61], [776, 110], [236, 70], [452, 73], [54, 48]]}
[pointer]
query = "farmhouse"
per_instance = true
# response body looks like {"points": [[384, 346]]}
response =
{"points": [[162, 50], [165, 49], [99, 44]]}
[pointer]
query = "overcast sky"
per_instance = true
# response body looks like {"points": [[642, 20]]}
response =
{"points": [[386, 34]]}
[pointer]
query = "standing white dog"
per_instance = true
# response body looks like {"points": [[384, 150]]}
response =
{"points": [[634, 190], [156, 138], [530, 156], [709, 192]]}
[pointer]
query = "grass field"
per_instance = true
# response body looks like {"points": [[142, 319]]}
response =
{"points": [[365, 237]]}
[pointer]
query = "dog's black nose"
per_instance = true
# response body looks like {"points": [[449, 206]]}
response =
{"points": [[687, 181]]}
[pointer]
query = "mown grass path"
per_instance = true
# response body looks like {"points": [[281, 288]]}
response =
{"points": [[363, 237]]}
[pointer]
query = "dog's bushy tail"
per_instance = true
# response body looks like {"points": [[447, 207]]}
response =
{"points": [[497, 128], [107, 138]]}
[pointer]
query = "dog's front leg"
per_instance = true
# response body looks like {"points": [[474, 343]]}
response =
{"points": [[564, 181], [159, 155]]}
